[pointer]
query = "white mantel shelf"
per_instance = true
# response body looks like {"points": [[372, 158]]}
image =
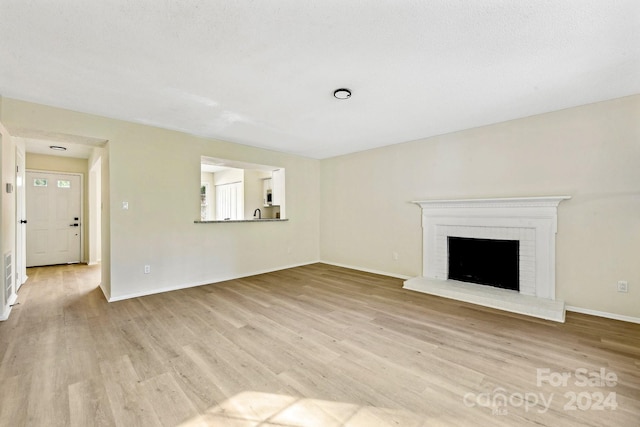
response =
{"points": [[530, 220], [507, 202]]}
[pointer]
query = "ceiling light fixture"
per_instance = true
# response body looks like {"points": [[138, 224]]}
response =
{"points": [[342, 93], [58, 148]]}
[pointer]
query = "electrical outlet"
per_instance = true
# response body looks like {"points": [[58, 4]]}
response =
{"points": [[623, 286], [395, 256], [147, 269], [125, 206]]}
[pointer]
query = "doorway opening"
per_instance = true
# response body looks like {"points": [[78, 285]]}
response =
{"points": [[74, 232]]}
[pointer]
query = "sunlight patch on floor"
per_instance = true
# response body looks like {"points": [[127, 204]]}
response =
{"points": [[252, 409]]}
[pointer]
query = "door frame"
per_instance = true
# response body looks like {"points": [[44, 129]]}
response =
{"points": [[82, 224], [21, 214], [94, 207]]}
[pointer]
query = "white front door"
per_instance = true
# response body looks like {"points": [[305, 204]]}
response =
{"points": [[53, 218]]}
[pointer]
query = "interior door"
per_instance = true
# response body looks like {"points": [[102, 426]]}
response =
{"points": [[53, 218]]}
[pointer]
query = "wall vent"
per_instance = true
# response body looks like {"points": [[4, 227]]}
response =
{"points": [[8, 275]]}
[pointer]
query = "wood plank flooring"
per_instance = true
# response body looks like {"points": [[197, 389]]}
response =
{"points": [[310, 346]]}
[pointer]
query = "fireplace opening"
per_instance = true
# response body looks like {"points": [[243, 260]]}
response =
{"points": [[491, 262]]}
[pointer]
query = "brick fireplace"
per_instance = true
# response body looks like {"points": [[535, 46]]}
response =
{"points": [[530, 221]]}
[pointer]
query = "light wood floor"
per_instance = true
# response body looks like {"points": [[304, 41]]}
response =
{"points": [[315, 345]]}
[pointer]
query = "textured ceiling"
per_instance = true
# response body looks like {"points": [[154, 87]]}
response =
{"points": [[262, 73]]}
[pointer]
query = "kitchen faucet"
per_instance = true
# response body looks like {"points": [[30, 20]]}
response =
{"points": [[259, 213]]}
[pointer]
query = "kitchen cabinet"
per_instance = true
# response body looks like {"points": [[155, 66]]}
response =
{"points": [[277, 187], [273, 189]]}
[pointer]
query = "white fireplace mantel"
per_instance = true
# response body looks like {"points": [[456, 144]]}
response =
{"points": [[530, 220], [509, 202]]}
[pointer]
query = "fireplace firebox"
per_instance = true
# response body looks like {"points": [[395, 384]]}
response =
{"points": [[491, 262]]}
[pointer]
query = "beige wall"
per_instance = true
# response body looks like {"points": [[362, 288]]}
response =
{"points": [[157, 172], [361, 201], [42, 162], [591, 153], [253, 181], [7, 210]]}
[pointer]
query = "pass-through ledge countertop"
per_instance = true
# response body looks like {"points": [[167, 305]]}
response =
{"points": [[243, 220]]}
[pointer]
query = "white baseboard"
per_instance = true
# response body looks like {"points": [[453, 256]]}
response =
{"points": [[367, 270], [603, 314], [206, 282], [13, 299], [6, 314], [567, 307], [23, 282], [104, 292], [8, 307]]}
